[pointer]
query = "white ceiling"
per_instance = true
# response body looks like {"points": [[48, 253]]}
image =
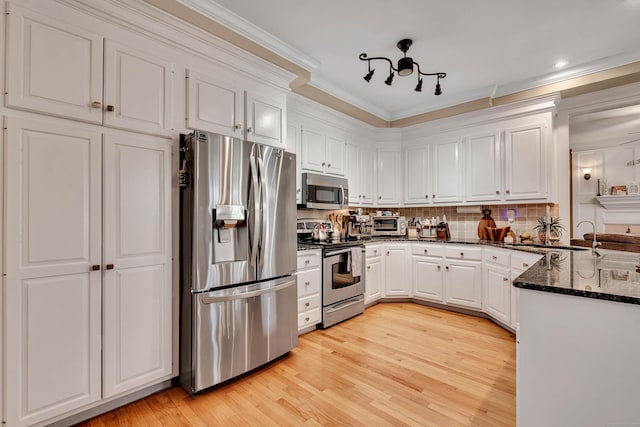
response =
{"points": [[487, 48]]}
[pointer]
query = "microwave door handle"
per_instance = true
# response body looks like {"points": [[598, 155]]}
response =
{"points": [[256, 205], [263, 205], [342, 203]]}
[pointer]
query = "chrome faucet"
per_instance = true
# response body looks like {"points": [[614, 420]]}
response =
{"points": [[595, 244]]}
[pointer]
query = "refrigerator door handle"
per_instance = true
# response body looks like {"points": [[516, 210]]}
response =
{"points": [[263, 203], [257, 221], [234, 297]]}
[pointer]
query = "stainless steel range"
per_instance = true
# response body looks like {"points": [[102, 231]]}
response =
{"points": [[342, 282]]}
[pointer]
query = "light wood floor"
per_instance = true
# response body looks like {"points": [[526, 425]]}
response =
{"points": [[396, 364]]}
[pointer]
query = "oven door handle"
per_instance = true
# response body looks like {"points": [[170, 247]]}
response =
{"points": [[340, 252], [343, 305]]}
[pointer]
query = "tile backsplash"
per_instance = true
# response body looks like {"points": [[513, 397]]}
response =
{"points": [[461, 225]]}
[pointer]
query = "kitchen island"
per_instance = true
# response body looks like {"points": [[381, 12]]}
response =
{"points": [[578, 342]]}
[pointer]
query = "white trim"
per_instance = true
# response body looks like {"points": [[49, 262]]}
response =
{"points": [[236, 23]]}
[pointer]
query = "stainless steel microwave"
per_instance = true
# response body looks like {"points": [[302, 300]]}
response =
{"points": [[324, 192]]}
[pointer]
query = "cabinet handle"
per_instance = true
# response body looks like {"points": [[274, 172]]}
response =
{"points": [[379, 197], [329, 165], [323, 163], [439, 268], [96, 104], [249, 129], [494, 257], [505, 279], [447, 268], [387, 253], [306, 319], [497, 191], [238, 126], [306, 304], [306, 262], [110, 108], [426, 251], [508, 192], [524, 264], [307, 283], [461, 254], [109, 266], [95, 267]]}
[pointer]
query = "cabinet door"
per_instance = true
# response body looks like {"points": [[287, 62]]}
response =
{"points": [[426, 277], [53, 282], [388, 177], [367, 176], [374, 277], [214, 105], [53, 67], [312, 147], [448, 172], [484, 167], [525, 173], [354, 174], [137, 253], [417, 170], [137, 90], [463, 283], [498, 293], [396, 270], [335, 155], [265, 119]]}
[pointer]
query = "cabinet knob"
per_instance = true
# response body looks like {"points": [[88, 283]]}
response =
{"points": [[497, 191], [375, 252], [494, 257], [426, 251], [306, 304], [508, 192], [387, 253], [109, 266], [306, 319], [96, 104], [434, 196], [249, 129], [439, 268], [426, 196], [307, 283], [524, 264], [379, 197], [329, 165], [368, 267], [306, 262], [110, 108], [447, 268], [461, 254], [238, 126], [505, 279], [323, 163], [298, 190], [95, 267]]}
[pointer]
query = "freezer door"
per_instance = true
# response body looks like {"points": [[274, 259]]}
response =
{"points": [[277, 249], [241, 328]]}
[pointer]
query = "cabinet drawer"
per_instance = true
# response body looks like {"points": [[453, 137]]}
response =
{"points": [[309, 302], [463, 252], [309, 318], [309, 282], [373, 251], [498, 257], [522, 261], [309, 259], [427, 250]]}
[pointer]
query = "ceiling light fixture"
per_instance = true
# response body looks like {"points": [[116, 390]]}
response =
{"points": [[405, 67], [560, 64]]}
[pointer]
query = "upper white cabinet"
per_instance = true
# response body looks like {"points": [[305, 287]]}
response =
{"points": [[222, 107], [417, 175], [322, 152], [53, 67], [389, 177], [484, 167], [361, 171], [448, 171], [526, 161], [56, 68]]}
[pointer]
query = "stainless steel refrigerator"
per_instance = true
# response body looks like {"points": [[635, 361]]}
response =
{"points": [[238, 257]]}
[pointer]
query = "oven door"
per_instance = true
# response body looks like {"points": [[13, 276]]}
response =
{"points": [[339, 283]]}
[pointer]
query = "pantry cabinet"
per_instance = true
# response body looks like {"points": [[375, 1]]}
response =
{"points": [[417, 176], [389, 177], [88, 270], [56, 68]]}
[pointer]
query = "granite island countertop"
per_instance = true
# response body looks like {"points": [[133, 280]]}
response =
{"points": [[612, 276]]}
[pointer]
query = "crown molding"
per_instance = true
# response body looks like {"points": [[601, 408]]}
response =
{"points": [[224, 16]]}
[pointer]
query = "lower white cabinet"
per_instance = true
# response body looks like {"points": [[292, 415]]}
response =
{"points": [[309, 288], [374, 274], [396, 270], [497, 284], [426, 272], [463, 276], [520, 262], [88, 289]]}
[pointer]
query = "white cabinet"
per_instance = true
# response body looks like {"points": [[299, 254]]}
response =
{"points": [[309, 288], [322, 152], [362, 175], [293, 146], [417, 176], [497, 285], [463, 276], [427, 273], [374, 274], [525, 161], [520, 262], [137, 287], [389, 177], [56, 68], [88, 267], [218, 106], [448, 171], [484, 167], [396, 270]]}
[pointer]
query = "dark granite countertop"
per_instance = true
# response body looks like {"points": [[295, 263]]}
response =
{"points": [[612, 276]]}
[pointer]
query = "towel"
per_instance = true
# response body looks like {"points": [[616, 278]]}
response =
{"points": [[356, 262]]}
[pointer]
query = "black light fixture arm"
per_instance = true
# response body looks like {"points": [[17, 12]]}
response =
{"points": [[363, 57]]}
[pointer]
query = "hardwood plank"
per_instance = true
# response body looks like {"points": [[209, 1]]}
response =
{"points": [[396, 364]]}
